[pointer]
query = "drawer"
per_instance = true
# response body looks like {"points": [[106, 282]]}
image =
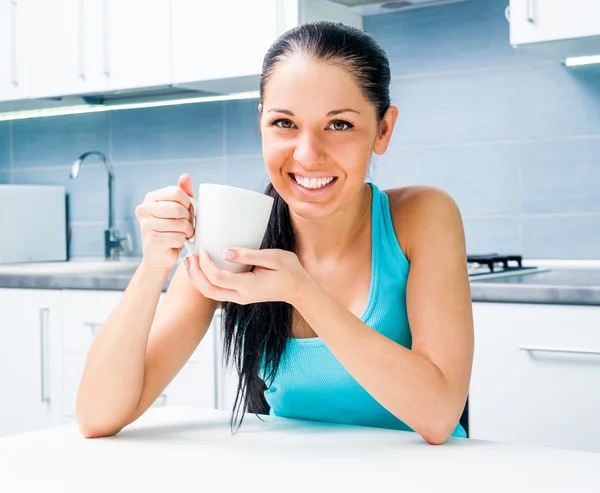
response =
{"points": [[84, 312], [193, 386], [536, 375]]}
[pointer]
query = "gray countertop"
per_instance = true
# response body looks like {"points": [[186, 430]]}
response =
{"points": [[570, 286], [574, 286]]}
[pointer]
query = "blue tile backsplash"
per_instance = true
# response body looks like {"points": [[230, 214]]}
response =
{"points": [[4, 146], [512, 136], [41, 142]]}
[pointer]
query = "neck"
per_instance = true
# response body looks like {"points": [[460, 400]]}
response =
{"points": [[331, 238]]}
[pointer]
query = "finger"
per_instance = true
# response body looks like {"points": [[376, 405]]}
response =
{"points": [[268, 258], [169, 210], [185, 183], [216, 276], [203, 284], [172, 193], [173, 226]]}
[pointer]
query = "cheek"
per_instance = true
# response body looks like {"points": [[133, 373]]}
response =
{"points": [[276, 152], [352, 152]]}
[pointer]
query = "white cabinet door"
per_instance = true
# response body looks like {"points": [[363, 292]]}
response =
{"points": [[213, 40], [8, 51], [84, 312], [534, 21], [128, 44], [536, 375], [49, 45], [29, 359], [227, 378]]}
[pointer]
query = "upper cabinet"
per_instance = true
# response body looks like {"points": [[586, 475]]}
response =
{"points": [[129, 43], [557, 28], [220, 46], [7, 51], [50, 49], [221, 40]]}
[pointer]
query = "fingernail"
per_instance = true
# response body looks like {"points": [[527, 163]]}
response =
{"points": [[186, 261], [228, 254]]}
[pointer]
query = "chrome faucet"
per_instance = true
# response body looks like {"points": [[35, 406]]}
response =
{"points": [[113, 244]]}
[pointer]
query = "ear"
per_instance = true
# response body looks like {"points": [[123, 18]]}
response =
{"points": [[260, 107], [386, 127]]}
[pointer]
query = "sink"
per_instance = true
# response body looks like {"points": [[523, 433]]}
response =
{"points": [[75, 266]]}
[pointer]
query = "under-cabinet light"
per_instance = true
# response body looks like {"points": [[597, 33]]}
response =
{"points": [[91, 108], [582, 60]]}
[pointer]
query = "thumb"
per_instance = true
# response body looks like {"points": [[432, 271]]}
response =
{"points": [[185, 183]]}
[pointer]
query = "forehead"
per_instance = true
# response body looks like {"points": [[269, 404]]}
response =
{"points": [[302, 81]]}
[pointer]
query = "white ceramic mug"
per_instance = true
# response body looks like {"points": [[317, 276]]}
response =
{"points": [[226, 217]]}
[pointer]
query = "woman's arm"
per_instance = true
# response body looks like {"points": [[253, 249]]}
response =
{"points": [[425, 387], [139, 350]]}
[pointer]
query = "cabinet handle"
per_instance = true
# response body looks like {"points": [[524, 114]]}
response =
{"points": [[94, 327], [13, 43], [546, 349], [44, 323], [105, 50], [81, 38], [530, 9], [280, 17]]}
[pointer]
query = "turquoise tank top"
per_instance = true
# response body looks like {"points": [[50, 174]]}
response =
{"points": [[311, 383]]}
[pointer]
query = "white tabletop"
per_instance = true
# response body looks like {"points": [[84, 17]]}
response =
{"points": [[176, 449]]}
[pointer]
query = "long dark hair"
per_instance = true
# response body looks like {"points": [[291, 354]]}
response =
{"points": [[255, 335]]}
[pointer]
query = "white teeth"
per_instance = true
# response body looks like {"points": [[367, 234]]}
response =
{"points": [[313, 183]]}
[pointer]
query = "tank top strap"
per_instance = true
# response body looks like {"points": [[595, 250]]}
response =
{"points": [[387, 251]]}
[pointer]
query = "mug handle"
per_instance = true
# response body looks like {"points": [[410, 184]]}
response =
{"points": [[190, 244]]}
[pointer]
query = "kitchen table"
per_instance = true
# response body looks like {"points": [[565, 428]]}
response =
{"points": [[175, 449]]}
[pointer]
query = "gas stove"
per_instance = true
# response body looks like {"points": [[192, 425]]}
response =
{"points": [[494, 265]]}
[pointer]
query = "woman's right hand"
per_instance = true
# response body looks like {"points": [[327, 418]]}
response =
{"points": [[166, 220]]}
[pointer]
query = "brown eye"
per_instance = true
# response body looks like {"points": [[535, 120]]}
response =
{"points": [[284, 123], [340, 125]]}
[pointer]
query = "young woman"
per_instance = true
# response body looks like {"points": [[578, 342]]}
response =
{"points": [[358, 309]]}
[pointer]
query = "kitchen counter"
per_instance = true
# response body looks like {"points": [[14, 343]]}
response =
{"points": [[79, 273], [570, 286], [186, 449], [566, 286]]}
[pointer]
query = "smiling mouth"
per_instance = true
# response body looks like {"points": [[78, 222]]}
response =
{"points": [[313, 183]]}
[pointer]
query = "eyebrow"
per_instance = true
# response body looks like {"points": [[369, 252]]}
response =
{"points": [[331, 113]]}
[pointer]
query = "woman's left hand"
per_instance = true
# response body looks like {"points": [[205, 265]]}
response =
{"points": [[277, 276]]}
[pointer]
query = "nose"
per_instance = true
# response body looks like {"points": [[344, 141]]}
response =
{"points": [[309, 150]]}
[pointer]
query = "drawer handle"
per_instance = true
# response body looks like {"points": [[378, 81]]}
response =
{"points": [[94, 327], [44, 350], [546, 349]]}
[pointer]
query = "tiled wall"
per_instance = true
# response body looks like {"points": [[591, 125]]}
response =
{"points": [[513, 137]]}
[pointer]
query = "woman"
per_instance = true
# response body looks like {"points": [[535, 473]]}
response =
{"points": [[358, 310]]}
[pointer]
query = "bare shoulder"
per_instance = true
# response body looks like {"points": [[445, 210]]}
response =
{"points": [[423, 213]]}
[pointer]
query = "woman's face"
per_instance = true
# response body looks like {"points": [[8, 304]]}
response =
{"points": [[318, 133]]}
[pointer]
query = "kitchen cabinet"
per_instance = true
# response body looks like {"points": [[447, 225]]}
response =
{"points": [[8, 87], [45, 336], [536, 375], [128, 44], [561, 27], [70, 47], [84, 312], [30, 371], [219, 46], [49, 44]]}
